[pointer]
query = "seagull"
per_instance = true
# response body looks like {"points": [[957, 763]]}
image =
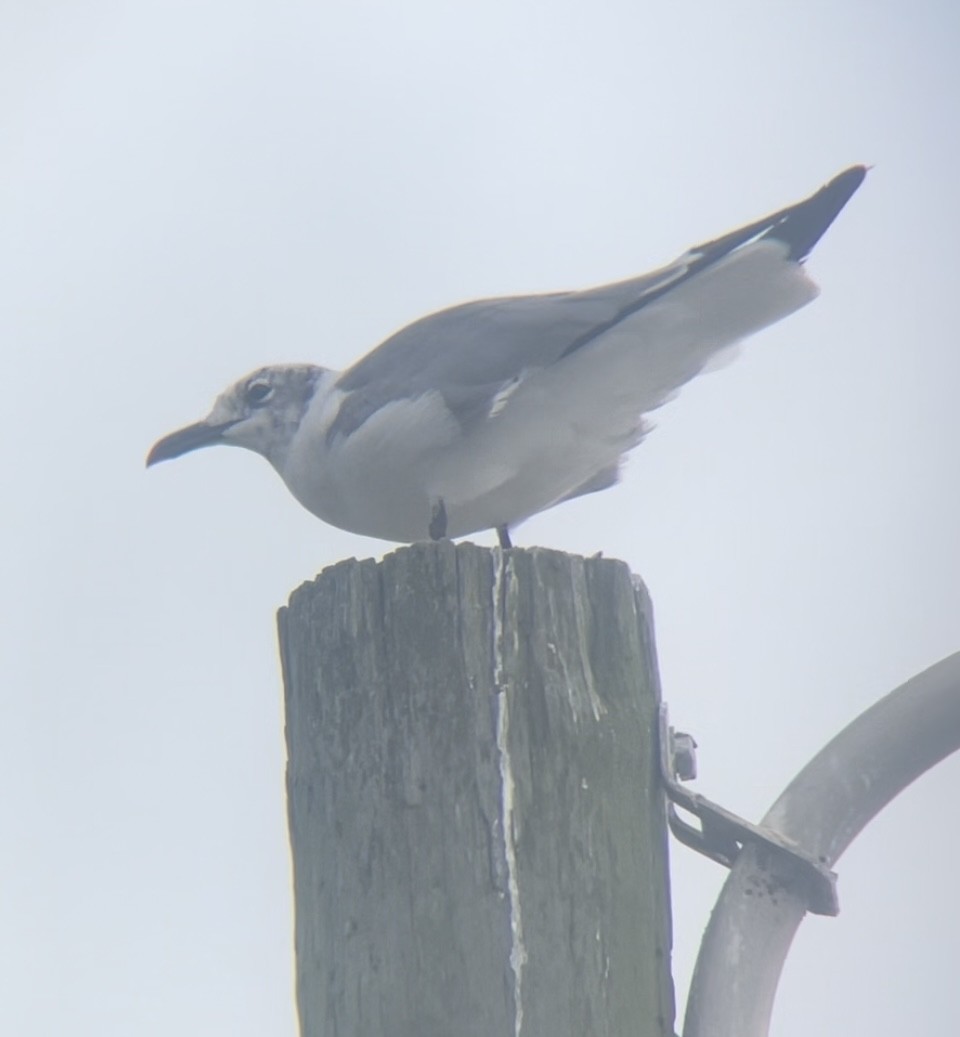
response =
{"points": [[481, 415]]}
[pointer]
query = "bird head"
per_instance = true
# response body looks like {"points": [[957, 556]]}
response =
{"points": [[260, 412]]}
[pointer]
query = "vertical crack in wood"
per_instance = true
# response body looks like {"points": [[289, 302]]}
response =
{"points": [[518, 953]]}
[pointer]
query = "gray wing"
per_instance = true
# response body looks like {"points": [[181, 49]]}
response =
{"points": [[472, 354]]}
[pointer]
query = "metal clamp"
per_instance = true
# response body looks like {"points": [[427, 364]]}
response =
{"points": [[721, 834]]}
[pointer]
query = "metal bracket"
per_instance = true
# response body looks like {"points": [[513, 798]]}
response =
{"points": [[721, 834]]}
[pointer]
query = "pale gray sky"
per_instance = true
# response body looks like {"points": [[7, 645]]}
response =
{"points": [[189, 190]]}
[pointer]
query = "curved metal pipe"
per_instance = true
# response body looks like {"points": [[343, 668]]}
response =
{"points": [[822, 810]]}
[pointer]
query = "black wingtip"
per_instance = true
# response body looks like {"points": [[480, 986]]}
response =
{"points": [[802, 225]]}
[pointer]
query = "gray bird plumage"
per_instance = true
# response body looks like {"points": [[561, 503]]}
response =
{"points": [[484, 414]]}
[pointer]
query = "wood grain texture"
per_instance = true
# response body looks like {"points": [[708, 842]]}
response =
{"points": [[478, 838]]}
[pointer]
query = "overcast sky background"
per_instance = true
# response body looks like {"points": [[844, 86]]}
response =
{"points": [[189, 190]]}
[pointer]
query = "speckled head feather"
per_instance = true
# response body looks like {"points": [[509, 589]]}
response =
{"points": [[261, 412]]}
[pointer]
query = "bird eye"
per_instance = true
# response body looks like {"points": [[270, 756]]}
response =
{"points": [[258, 392]]}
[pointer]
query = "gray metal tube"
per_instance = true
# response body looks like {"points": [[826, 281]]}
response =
{"points": [[822, 810]]}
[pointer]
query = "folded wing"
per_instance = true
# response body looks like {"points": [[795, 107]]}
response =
{"points": [[474, 355]]}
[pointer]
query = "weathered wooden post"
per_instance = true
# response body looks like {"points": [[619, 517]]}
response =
{"points": [[479, 843]]}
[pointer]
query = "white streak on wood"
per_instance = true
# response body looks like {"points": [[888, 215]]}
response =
{"points": [[518, 953]]}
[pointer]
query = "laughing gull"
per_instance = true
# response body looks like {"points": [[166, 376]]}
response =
{"points": [[479, 416]]}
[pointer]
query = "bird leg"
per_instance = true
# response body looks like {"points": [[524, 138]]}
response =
{"points": [[503, 535], [438, 521]]}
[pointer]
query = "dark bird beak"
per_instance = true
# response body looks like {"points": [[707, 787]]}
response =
{"points": [[186, 439]]}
